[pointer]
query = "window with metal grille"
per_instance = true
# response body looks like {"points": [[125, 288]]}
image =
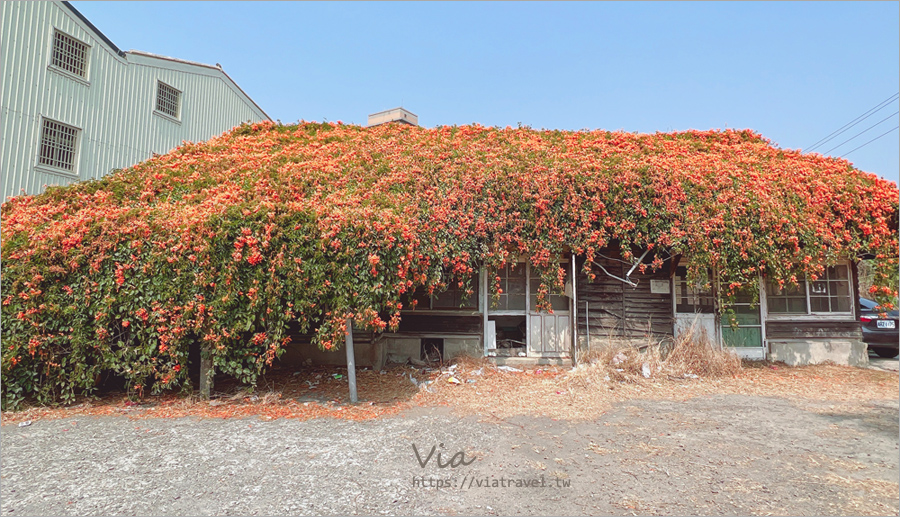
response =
{"points": [[58, 145], [69, 54], [167, 100]]}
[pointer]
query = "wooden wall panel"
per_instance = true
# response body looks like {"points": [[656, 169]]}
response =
{"points": [[618, 310]]}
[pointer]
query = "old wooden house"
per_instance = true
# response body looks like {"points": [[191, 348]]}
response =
{"points": [[813, 322], [624, 302]]}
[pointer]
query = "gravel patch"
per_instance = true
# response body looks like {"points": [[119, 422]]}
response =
{"points": [[715, 455]]}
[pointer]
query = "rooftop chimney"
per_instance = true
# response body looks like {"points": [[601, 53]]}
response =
{"points": [[393, 115]]}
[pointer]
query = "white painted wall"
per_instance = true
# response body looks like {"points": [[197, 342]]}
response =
{"points": [[114, 107]]}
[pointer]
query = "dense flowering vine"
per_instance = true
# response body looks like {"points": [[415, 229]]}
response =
{"points": [[230, 241]]}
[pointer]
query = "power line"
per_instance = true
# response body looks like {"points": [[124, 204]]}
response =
{"points": [[870, 141], [861, 132], [855, 121]]}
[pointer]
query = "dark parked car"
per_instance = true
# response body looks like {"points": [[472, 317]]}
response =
{"points": [[880, 333]]}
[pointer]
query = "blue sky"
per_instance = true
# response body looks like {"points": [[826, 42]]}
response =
{"points": [[795, 72]]}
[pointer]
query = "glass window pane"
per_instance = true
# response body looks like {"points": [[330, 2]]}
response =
{"points": [[691, 300], [744, 309], [512, 282], [841, 304], [777, 305], [516, 285], [745, 315], [839, 272], [818, 288], [796, 305], [743, 297], [446, 300], [516, 302], [559, 303], [741, 319], [840, 288], [818, 304]]}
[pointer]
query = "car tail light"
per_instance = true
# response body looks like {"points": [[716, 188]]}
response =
{"points": [[866, 319]]}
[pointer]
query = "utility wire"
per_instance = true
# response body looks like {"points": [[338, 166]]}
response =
{"points": [[870, 141], [861, 132], [855, 121]]}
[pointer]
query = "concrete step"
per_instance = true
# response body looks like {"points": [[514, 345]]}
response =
{"points": [[531, 361]]}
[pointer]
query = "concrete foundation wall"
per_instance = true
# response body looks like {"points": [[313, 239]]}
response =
{"points": [[411, 347], [801, 352], [397, 348], [376, 354], [458, 346], [368, 355]]}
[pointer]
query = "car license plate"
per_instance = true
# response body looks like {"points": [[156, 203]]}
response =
{"points": [[886, 324]]}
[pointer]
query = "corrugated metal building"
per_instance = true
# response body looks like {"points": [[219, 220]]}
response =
{"points": [[75, 107]]}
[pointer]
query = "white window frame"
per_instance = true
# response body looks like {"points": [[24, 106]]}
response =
{"points": [[179, 99], [76, 153], [83, 79], [512, 312], [809, 314], [693, 291]]}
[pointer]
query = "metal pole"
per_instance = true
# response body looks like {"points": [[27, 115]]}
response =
{"points": [[207, 373], [574, 315], [587, 326], [485, 302], [351, 363]]}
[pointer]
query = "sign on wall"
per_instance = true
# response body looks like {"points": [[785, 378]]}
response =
{"points": [[660, 287]]}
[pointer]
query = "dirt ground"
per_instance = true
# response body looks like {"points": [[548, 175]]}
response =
{"points": [[770, 440]]}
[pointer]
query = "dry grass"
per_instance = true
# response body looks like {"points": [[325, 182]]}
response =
{"points": [[694, 353], [692, 356], [310, 393], [691, 369], [866, 496]]}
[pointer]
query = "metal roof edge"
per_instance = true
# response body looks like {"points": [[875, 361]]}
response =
{"points": [[169, 58], [392, 109], [123, 54], [202, 65], [87, 22], [236, 85]]}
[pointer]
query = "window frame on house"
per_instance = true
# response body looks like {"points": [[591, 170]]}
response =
{"points": [[50, 161], [167, 89], [560, 303], [63, 61], [691, 298], [513, 287], [773, 295], [437, 302], [749, 316]]}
